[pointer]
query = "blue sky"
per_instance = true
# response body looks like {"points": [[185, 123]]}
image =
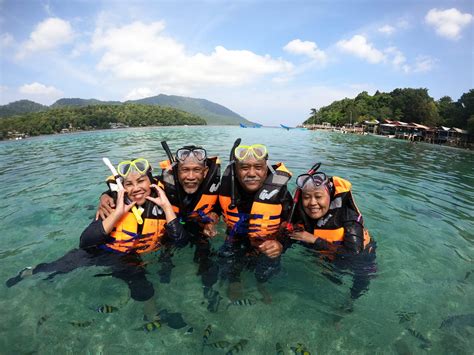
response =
{"points": [[270, 61]]}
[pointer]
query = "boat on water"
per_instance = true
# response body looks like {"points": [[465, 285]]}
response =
{"points": [[256, 125], [286, 127]]}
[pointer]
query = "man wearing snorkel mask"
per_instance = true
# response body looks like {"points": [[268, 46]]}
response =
{"points": [[190, 179], [328, 221], [118, 240], [254, 202]]}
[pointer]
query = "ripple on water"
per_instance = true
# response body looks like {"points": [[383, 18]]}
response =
{"points": [[416, 201]]}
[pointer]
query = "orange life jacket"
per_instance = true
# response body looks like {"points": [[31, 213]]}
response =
{"points": [[342, 191], [265, 215], [126, 236], [209, 190]]}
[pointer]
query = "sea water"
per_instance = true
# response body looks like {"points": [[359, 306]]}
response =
{"points": [[417, 204]]}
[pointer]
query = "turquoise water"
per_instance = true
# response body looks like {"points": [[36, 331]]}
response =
{"points": [[416, 200]]}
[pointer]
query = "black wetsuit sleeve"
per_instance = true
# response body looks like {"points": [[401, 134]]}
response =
{"points": [[353, 228], [175, 233], [287, 203], [94, 235]]}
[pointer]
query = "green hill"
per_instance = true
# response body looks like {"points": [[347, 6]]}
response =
{"points": [[69, 119], [213, 113], [20, 107], [82, 102]]}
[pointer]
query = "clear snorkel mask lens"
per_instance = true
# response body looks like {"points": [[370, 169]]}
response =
{"points": [[199, 154], [140, 165], [314, 181]]}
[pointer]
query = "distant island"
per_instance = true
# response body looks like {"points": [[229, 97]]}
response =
{"points": [[25, 118]]}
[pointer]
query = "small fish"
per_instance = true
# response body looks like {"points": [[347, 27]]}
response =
{"points": [[105, 308], [300, 349], [405, 316], [42, 320], [426, 343], [463, 320], [222, 344], [80, 324], [237, 347], [151, 326], [242, 302], [279, 349], [207, 334]]}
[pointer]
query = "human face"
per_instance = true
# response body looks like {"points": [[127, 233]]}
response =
{"points": [[137, 187], [251, 173], [191, 175], [316, 201]]}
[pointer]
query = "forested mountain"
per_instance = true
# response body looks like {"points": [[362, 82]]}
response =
{"points": [[82, 102], [408, 105], [71, 118], [213, 113], [20, 107]]}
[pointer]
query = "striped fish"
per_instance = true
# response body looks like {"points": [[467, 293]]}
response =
{"points": [[405, 316], [80, 324], [151, 326], [300, 349], [242, 302], [222, 344], [425, 343], [207, 334], [239, 346], [105, 308]]}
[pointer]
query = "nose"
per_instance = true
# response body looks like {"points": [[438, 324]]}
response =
{"points": [[252, 172], [191, 175]]}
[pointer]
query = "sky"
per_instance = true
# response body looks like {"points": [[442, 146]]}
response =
{"points": [[269, 61]]}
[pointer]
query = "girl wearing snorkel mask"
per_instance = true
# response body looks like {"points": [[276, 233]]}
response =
{"points": [[329, 222]]}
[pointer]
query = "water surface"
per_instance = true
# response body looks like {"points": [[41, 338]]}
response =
{"points": [[416, 200]]}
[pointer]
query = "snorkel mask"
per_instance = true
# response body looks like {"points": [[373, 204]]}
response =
{"points": [[139, 165], [317, 180], [258, 151], [197, 154]]}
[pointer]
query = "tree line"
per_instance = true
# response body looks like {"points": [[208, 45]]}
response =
{"points": [[408, 105], [94, 117]]}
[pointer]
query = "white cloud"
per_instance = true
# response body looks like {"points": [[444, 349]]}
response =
{"points": [[398, 60], [49, 34], [448, 23], [139, 51], [387, 29], [139, 93], [423, 64], [39, 89], [307, 48], [360, 47], [6, 40]]}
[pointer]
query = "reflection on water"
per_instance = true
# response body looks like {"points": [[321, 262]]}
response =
{"points": [[416, 200]]}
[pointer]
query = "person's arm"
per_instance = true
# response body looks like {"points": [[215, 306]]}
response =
{"points": [[94, 235], [174, 229]]}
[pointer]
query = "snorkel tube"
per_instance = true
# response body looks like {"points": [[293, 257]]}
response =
{"points": [[289, 225], [175, 172], [232, 173], [120, 186]]}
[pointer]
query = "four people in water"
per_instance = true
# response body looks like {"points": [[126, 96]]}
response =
{"points": [[183, 204]]}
